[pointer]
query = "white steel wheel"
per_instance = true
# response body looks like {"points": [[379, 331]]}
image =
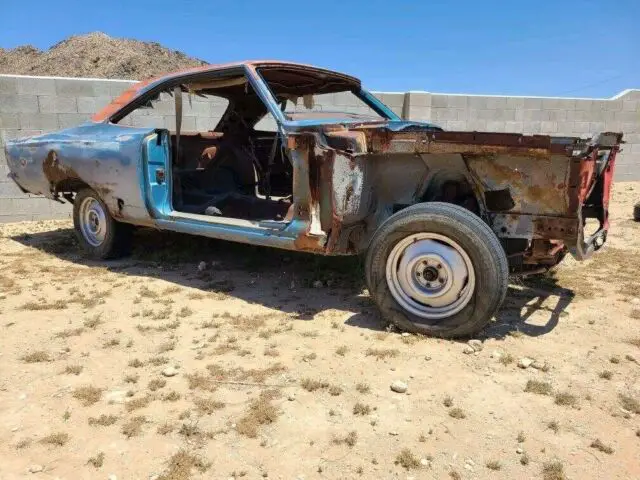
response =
{"points": [[436, 269], [92, 221], [98, 233], [430, 275]]}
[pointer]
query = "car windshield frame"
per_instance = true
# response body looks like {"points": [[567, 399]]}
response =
{"points": [[385, 113]]}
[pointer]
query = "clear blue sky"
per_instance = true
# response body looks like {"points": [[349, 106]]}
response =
{"points": [[581, 48]]}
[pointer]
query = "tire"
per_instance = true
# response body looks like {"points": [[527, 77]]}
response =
{"points": [[100, 236], [636, 212], [445, 241]]}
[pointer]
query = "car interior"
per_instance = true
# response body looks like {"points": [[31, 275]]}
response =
{"points": [[235, 169]]}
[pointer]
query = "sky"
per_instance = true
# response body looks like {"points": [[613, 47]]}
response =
{"points": [[574, 48]]}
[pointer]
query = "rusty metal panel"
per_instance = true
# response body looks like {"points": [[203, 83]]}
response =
{"points": [[537, 185]]}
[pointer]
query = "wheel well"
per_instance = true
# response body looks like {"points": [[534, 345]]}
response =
{"points": [[70, 185], [62, 179], [452, 187]]}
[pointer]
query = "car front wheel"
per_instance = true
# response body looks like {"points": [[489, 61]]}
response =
{"points": [[437, 269], [99, 234]]}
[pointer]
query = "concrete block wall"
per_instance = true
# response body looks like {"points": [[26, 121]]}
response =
{"points": [[34, 105], [574, 117]]}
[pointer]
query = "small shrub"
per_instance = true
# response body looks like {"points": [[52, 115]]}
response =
{"points": [[87, 395], [407, 459], [361, 409], [184, 312], [171, 396], [181, 465], [97, 461], [207, 405], [538, 387], [57, 439], [136, 363], [363, 387], [311, 385], [342, 350], [39, 356], [350, 439], [334, 390], [102, 421], [138, 403], [25, 442], [566, 399], [73, 369], [156, 384], [457, 413], [133, 427], [554, 426], [166, 347], [506, 359], [92, 322], [598, 445], [553, 471], [494, 465], [448, 401], [606, 374], [629, 403], [164, 429], [382, 353], [261, 412]]}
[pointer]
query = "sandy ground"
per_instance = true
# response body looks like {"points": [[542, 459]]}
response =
{"points": [[149, 368]]}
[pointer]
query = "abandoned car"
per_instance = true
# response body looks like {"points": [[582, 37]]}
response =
{"points": [[443, 217]]}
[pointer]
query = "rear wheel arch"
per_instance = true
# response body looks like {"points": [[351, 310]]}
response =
{"points": [[455, 187]]}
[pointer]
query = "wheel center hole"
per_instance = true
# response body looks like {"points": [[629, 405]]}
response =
{"points": [[430, 274]]}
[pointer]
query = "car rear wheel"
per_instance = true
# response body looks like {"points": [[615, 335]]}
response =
{"points": [[437, 269], [99, 234]]}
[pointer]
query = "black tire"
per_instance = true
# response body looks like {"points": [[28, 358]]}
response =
{"points": [[475, 238], [117, 236], [636, 212]]}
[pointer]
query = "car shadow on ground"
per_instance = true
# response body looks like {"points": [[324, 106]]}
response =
{"points": [[288, 281]]}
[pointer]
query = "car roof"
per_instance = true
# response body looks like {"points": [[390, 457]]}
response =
{"points": [[140, 88]]}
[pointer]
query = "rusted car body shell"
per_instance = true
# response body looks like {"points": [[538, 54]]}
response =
{"points": [[348, 177], [546, 179]]}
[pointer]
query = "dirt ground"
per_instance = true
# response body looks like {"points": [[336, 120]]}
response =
{"points": [[151, 367]]}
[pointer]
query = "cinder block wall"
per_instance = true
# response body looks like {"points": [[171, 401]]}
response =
{"points": [[34, 105]]}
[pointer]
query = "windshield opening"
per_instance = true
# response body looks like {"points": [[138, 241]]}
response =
{"points": [[304, 94]]}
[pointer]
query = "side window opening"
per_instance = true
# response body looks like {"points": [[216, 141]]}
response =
{"points": [[223, 167]]}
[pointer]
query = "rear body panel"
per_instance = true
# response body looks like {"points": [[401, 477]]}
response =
{"points": [[105, 157], [526, 187]]}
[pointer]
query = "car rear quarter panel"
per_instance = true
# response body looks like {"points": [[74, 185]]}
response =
{"points": [[106, 157]]}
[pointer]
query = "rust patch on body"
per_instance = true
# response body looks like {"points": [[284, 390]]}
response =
{"points": [[56, 172]]}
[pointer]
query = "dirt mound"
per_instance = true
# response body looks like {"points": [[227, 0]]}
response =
{"points": [[96, 55]]}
